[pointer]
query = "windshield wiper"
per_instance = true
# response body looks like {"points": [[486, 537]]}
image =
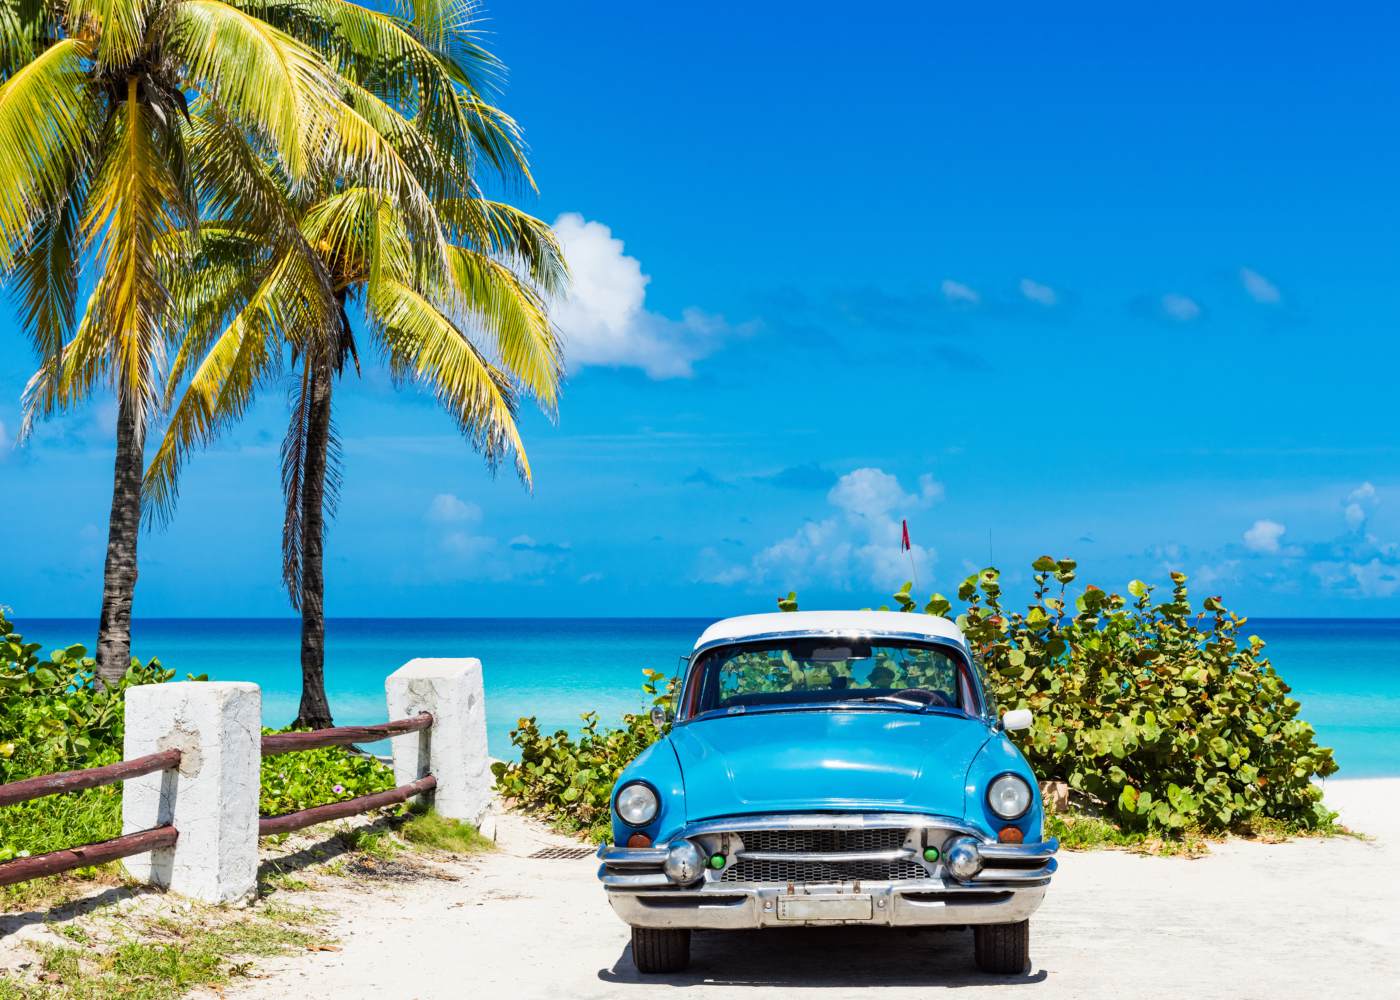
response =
{"points": [[920, 705]]}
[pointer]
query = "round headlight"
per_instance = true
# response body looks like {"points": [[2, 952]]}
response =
{"points": [[1009, 796], [637, 804]]}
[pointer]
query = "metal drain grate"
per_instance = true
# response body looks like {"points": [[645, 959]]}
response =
{"points": [[562, 853]]}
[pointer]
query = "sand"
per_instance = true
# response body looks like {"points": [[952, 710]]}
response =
{"points": [[1308, 918]]}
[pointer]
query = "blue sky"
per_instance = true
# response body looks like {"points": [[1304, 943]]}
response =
{"points": [[1092, 283]]}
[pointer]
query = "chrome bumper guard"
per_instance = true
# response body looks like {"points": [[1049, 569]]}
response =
{"points": [[1008, 886]]}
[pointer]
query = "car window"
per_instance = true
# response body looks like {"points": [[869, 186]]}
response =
{"points": [[807, 671]]}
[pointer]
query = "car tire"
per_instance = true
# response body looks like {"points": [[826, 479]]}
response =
{"points": [[1001, 948], [660, 949]]}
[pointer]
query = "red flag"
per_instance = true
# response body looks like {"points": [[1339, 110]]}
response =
{"points": [[904, 540]]}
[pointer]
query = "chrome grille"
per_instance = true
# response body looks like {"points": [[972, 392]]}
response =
{"points": [[750, 870], [823, 841]]}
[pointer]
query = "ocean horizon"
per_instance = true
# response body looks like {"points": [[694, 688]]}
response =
{"points": [[1345, 671]]}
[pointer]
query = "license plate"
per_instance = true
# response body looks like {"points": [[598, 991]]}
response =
{"points": [[826, 906]]}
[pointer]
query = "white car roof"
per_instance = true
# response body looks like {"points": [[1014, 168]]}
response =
{"points": [[852, 623]]}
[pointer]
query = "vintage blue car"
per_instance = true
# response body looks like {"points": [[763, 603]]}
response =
{"points": [[828, 768]]}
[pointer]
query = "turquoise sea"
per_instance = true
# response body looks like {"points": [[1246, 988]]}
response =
{"points": [[1346, 672]]}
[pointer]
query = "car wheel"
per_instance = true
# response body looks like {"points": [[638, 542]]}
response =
{"points": [[660, 949], [1001, 948]]}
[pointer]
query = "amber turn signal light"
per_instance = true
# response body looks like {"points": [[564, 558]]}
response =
{"points": [[1010, 835], [639, 840]]}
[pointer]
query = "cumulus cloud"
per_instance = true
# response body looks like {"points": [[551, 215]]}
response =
{"points": [[1036, 292], [857, 542], [604, 319], [448, 509], [1180, 308], [1263, 536], [1258, 287], [957, 292], [459, 549], [1358, 504]]}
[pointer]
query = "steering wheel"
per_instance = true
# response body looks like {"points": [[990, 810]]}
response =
{"points": [[937, 699]]}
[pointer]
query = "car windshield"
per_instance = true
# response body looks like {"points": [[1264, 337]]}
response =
{"points": [[879, 673]]}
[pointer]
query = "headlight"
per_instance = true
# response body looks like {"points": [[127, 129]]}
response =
{"points": [[1009, 796], [637, 804]]}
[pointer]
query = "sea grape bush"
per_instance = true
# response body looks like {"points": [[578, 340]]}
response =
{"points": [[306, 778], [1159, 716], [56, 715], [569, 779]]}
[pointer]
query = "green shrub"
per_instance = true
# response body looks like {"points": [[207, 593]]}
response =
{"points": [[56, 715], [306, 778], [1161, 718], [569, 780]]}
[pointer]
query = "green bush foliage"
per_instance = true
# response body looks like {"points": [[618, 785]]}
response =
{"points": [[568, 779], [56, 715], [306, 778], [1161, 717]]}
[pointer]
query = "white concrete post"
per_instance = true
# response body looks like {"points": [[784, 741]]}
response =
{"points": [[212, 800], [453, 750]]}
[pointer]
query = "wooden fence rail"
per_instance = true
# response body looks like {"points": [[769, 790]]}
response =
{"points": [[269, 825], [340, 736], [92, 777], [55, 862]]}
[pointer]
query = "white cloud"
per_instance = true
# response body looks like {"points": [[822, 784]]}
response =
{"points": [[458, 549], [1259, 288], [448, 509], [1375, 578], [1180, 308], [604, 319], [1042, 294], [956, 291], [1358, 504], [860, 542], [1263, 536]]}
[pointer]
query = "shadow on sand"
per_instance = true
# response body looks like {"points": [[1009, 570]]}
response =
{"points": [[825, 957]]}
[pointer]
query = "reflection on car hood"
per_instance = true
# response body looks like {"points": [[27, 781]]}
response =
{"points": [[831, 759]]}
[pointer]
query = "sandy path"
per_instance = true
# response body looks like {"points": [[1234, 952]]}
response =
{"points": [[1308, 918]]}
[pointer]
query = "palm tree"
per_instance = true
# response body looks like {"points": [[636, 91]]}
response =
{"points": [[451, 285], [98, 171]]}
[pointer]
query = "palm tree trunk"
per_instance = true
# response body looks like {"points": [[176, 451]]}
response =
{"points": [[315, 710], [123, 529]]}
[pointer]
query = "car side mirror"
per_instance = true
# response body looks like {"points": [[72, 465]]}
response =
{"points": [[660, 716], [1017, 718]]}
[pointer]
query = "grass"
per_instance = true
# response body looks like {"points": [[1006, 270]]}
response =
{"points": [[438, 833], [165, 957], [1080, 831]]}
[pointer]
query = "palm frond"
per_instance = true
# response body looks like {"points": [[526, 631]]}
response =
{"points": [[510, 235], [294, 472], [136, 199], [48, 114], [120, 24], [46, 272], [265, 78], [515, 318], [426, 347]]}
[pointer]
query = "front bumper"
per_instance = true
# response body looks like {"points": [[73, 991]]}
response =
{"points": [[1007, 888]]}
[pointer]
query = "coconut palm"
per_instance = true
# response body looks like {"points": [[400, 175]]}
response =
{"points": [[448, 284], [98, 172]]}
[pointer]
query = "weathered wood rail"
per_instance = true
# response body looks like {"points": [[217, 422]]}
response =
{"points": [[194, 750], [86, 855], [280, 743]]}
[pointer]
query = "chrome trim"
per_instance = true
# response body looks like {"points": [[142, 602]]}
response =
{"points": [[617, 856], [921, 903], [1020, 852], [901, 854], [649, 880], [831, 821]]}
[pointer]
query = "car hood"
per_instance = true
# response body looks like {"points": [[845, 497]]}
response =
{"points": [[813, 760]]}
